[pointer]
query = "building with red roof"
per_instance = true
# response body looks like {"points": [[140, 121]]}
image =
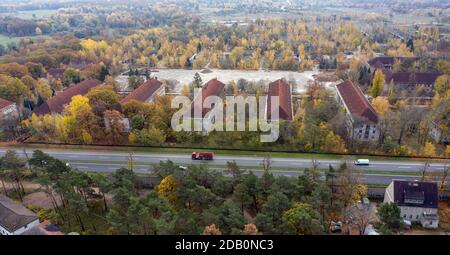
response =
{"points": [[282, 90], [146, 92], [362, 119], [56, 104]]}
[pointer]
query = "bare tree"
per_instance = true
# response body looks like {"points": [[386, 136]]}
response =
{"points": [[424, 170], [267, 163], [444, 177], [360, 215]]}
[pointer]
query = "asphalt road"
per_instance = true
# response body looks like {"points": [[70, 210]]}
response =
{"points": [[103, 161]]}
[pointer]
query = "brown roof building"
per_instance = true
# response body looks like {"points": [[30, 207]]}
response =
{"points": [[281, 89], [213, 87], [355, 102], [56, 104], [362, 120], [15, 218], [5, 103], [145, 92]]}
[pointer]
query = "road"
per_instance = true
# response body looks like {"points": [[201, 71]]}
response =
{"points": [[378, 172]]}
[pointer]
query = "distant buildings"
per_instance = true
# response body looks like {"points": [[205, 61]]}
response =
{"points": [[418, 201], [362, 120], [283, 90], [56, 104], [15, 218], [406, 82], [146, 92]]}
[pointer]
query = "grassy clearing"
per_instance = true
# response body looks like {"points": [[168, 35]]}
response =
{"points": [[4, 40]]}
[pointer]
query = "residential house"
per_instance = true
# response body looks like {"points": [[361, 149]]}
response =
{"points": [[362, 120], [15, 218], [56, 104], [418, 201], [283, 91], [146, 92], [213, 87]]}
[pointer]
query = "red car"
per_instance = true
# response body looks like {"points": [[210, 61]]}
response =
{"points": [[202, 155]]}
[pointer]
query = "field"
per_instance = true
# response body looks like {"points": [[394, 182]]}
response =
{"points": [[33, 14], [4, 40]]}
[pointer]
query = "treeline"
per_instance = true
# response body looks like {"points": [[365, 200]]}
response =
{"points": [[197, 200]]}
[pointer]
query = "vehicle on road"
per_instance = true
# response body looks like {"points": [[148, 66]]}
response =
{"points": [[202, 155], [362, 162]]}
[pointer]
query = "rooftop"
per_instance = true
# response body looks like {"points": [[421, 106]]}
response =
{"points": [[4, 103], [416, 193], [13, 216], [213, 87], [56, 103], [356, 102], [143, 92], [281, 89]]}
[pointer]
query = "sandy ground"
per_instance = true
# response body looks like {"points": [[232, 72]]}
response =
{"points": [[185, 76]]}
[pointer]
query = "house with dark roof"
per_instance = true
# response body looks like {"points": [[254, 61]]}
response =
{"points": [[199, 112], [15, 218], [362, 120], [281, 89], [418, 201], [146, 92], [56, 104], [410, 82]]}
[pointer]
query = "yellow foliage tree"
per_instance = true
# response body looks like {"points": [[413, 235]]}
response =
{"points": [[167, 189], [429, 150], [381, 105]]}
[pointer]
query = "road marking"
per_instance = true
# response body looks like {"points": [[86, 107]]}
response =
{"points": [[405, 167]]}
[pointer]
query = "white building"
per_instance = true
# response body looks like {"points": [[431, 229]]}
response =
{"points": [[15, 218], [418, 201]]}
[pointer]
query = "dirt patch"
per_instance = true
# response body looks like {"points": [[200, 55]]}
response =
{"points": [[39, 199], [444, 215]]}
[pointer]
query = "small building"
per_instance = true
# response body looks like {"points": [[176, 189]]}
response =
{"points": [[281, 89], [146, 92], [9, 115], [362, 120], [15, 218], [57, 103], [418, 201]]}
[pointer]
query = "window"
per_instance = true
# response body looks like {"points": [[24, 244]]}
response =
{"points": [[404, 215], [417, 217], [410, 216]]}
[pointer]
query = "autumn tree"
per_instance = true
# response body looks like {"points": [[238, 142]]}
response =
{"points": [[302, 219], [377, 84]]}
